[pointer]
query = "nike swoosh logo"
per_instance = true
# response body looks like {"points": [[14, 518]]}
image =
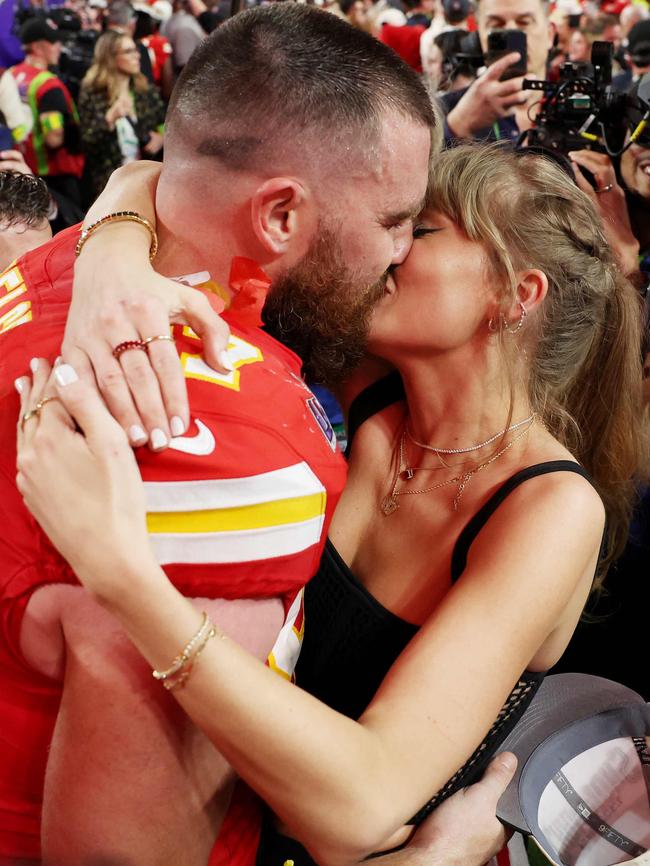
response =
{"points": [[201, 445]]}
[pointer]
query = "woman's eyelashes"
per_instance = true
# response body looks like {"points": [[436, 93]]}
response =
{"points": [[422, 231]]}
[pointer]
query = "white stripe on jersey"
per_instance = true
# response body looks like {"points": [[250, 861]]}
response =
{"points": [[288, 483], [247, 545]]}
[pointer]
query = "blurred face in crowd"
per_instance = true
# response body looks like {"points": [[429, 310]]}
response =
{"points": [[127, 56], [579, 48], [529, 16], [356, 14], [613, 34], [563, 30], [635, 170], [49, 52], [432, 64]]}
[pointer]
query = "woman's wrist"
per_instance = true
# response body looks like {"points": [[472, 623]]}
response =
{"points": [[123, 584], [101, 265]]}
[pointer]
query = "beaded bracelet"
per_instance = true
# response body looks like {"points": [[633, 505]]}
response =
{"points": [[118, 216], [180, 669]]}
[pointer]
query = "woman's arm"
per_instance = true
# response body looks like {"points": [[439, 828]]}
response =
{"points": [[118, 296], [341, 786]]}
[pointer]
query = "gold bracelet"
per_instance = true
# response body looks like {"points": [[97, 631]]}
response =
{"points": [[122, 215], [178, 671], [179, 679]]}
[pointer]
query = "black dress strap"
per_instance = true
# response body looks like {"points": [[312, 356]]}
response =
{"points": [[373, 399], [472, 529]]}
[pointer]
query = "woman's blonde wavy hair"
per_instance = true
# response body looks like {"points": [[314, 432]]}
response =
{"points": [[583, 343], [103, 74]]}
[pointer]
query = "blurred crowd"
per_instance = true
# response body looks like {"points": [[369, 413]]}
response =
{"points": [[85, 84]]}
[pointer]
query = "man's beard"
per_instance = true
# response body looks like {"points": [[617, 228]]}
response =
{"points": [[321, 310]]}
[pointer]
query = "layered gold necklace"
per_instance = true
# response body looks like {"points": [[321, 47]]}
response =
{"points": [[389, 504]]}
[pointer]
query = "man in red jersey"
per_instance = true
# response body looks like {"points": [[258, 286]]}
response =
{"points": [[239, 505]]}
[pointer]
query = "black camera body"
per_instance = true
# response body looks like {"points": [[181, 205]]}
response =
{"points": [[582, 109]]}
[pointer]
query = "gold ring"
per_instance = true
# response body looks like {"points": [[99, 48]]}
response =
{"points": [[167, 337], [608, 188], [36, 411], [33, 413], [45, 400]]}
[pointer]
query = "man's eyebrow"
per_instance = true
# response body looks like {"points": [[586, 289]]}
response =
{"points": [[392, 217]]}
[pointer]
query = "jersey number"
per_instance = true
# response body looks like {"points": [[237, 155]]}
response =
{"points": [[239, 352]]}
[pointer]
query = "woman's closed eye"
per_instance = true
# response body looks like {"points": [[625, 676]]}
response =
{"points": [[423, 231]]}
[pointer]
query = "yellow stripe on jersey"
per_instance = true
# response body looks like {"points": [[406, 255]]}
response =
{"points": [[220, 520], [249, 517]]}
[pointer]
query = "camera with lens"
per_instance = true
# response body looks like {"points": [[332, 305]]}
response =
{"points": [[583, 110], [461, 53]]}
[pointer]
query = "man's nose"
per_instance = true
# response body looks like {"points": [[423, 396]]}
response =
{"points": [[402, 244]]}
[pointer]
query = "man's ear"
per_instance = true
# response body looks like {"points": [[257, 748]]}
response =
{"points": [[278, 209]]}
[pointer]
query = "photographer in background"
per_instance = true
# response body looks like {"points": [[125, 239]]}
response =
{"points": [[491, 109], [621, 190]]}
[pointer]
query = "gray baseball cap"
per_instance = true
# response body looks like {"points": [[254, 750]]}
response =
{"points": [[582, 786]]}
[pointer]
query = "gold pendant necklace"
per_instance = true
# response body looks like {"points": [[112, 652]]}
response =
{"points": [[389, 503]]}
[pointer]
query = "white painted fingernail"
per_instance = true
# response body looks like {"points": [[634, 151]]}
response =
{"points": [[65, 375], [137, 435], [225, 361], [158, 439], [33, 365], [176, 425], [20, 385]]}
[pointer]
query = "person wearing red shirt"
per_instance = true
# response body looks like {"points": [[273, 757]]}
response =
{"points": [[240, 503]]}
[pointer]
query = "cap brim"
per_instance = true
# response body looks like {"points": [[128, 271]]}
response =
{"points": [[560, 700], [543, 778]]}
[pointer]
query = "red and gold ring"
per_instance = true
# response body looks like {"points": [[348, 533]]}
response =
{"points": [[127, 346]]}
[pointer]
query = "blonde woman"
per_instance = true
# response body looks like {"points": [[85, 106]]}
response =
{"points": [[121, 114], [464, 547]]}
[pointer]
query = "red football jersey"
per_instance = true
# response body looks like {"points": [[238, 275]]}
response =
{"points": [[238, 507]]}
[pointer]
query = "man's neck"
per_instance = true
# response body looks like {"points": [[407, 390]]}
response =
{"points": [[38, 62], [183, 256]]}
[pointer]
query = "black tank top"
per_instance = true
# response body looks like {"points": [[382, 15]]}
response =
{"points": [[351, 640]]}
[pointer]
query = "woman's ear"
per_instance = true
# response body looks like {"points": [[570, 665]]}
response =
{"points": [[278, 210], [532, 287]]}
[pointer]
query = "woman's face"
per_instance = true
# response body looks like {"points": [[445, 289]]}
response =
{"points": [[438, 298], [578, 48], [127, 56]]}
